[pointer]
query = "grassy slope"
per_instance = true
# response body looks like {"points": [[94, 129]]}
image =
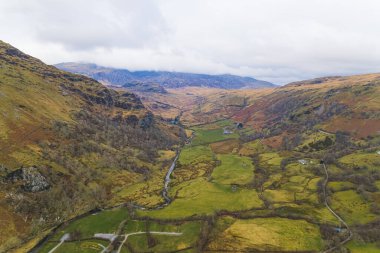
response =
{"points": [[347, 103], [271, 234], [233, 170], [33, 97]]}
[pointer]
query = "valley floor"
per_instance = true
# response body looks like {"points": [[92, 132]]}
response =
{"points": [[230, 195]]}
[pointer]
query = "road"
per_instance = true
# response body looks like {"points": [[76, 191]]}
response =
{"points": [[334, 213], [142, 232], [63, 239]]}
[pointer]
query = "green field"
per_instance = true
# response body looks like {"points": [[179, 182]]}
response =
{"points": [[233, 170], [352, 207], [252, 148], [104, 222], [265, 234], [340, 186], [109, 221], [195, 154], [270, 160], [200, 197], [361, 159], [166, 243], [206, 136], [360, 247]]}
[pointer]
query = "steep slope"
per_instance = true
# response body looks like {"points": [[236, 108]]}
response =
{"points": [[121, 77], [349, 104], [68, 145]]}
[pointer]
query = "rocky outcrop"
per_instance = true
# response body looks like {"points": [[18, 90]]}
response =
{"points": [[104, 96], [30, 179], [147, 121], [132, 120]]}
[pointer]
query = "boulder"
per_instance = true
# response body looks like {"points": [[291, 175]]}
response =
{"points": [[30, 178]]}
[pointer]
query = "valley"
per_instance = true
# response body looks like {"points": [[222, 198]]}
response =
{"points": [[294, 168], [243, 196]]}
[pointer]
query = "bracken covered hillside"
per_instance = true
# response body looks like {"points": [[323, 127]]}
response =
{"points": [[347, 104], [68, 145]]}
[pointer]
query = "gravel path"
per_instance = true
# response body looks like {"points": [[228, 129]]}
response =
{"points": [[334, 213]]}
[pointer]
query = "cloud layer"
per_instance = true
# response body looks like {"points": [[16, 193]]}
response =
{"points": [[274, 40]]}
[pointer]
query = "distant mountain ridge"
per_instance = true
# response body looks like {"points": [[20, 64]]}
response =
{"points": [[166, 79]]}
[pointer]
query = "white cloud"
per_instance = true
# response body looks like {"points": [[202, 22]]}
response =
{"points": [[275, 40]]}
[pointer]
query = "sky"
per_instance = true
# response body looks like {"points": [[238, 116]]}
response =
{"points": [[274, 40]]}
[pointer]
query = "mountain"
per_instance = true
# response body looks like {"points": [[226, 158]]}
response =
{"points": [[68, 145], [196, 169], [123, 77]]}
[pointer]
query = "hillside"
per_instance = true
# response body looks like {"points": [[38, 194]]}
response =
{"points": [[68, 145], [124, 77], [348, 104]]}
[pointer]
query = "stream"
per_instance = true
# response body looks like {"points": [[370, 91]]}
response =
{"points": [[167, 181]]}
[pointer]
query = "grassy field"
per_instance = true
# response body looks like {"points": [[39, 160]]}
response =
{"points": [[206, 136], [265, 234], [200, 197], [164, 243], [252, 148], [352, 207], [361, 159], [270, 160], [195, 154], [225, 147], [304, 210], [340, 186], [278, 196], [233, 170], [359, 247], [107, 221]]}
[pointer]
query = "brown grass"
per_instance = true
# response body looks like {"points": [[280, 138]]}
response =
{"points": [[225, 147]]}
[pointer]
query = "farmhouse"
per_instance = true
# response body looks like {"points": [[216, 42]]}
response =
{"points": [[302, 161], [227, 131]]}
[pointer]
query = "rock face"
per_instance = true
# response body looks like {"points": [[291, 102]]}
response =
{"points": [[31, 179], [147, 121]]}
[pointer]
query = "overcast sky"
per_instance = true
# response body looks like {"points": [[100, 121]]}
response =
{"points": [[273, 40]]}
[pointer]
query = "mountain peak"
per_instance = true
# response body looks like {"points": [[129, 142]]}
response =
{"points": [[166, 79]]}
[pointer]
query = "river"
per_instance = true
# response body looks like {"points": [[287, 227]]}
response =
{"points": [[167, 180]]}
